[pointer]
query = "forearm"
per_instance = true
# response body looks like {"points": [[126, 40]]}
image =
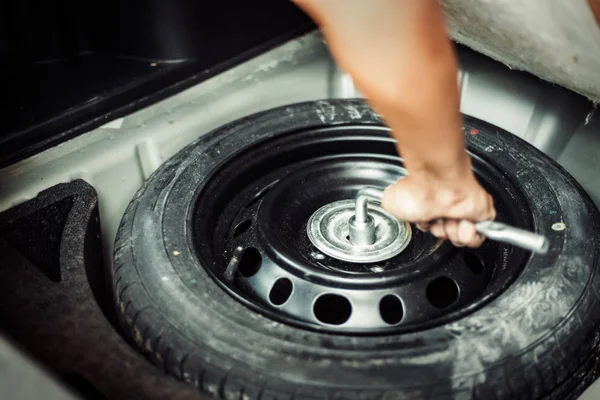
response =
{"points": [[400, 58]]}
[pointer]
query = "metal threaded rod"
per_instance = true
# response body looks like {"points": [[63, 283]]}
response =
{"points": [[361, 225], [362, 201]]}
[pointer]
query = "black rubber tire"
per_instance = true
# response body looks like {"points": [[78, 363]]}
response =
{"points": [[539, 339]]}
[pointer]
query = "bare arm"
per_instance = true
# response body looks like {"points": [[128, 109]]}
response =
{"points": [[400, 58]]}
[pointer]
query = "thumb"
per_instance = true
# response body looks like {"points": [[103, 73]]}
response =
{"points": [[400, 201]]}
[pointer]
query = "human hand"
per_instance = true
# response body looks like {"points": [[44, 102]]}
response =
{"points": [[448, 208]]}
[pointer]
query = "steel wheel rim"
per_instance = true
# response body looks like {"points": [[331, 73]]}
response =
{"points": [[295, 156]]}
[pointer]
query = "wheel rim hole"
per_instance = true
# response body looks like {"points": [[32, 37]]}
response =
{"points": [[241, 228], [473, 262], [250, 263], [391, 310], [332, 309], [442, 292], [281, 291]]}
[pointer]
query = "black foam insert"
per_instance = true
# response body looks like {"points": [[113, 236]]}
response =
{"points": [[55, 304]]}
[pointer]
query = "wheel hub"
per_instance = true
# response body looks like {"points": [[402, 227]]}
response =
{"points": [[329, 231]]}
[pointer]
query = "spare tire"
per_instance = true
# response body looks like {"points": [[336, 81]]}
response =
{"points": [[525, 327]]}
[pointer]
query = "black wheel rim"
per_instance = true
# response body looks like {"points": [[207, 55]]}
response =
{"points": [[261, 198]]}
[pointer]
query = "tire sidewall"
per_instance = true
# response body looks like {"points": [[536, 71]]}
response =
{"points": [[532, 308]]}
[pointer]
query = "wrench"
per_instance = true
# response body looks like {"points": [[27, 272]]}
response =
{"points": [[360, 229]]}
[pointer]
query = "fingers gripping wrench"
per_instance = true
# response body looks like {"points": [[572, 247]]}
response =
{"points": [[362, 226]]}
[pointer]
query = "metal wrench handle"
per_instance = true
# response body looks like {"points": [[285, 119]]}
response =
{"points": [[490, 229], [509, 234]]}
